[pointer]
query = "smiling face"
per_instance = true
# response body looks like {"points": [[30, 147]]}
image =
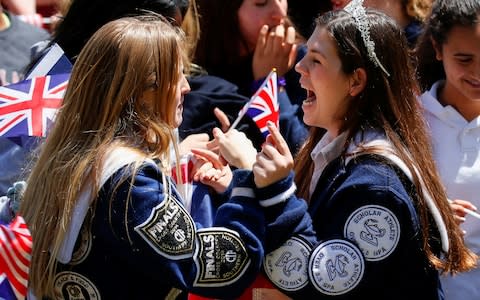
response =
{"points": [[460, 55], [253, 14], [328, 87]]}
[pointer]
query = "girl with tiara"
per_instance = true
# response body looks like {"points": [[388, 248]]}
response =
{"points": [[379, 225]]}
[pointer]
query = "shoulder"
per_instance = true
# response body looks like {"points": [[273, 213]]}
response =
{"points": [[373, 170], [373, 179]]}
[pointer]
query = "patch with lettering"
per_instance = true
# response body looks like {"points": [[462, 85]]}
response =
{"points": [[287, 266], [375, 229], [74, 286], [169, 230], [336, 267], [220, 256]]}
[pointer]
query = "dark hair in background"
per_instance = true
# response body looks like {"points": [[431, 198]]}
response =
{"points": [[304, 12], [220, 36], [445, 15], [85, 17]]}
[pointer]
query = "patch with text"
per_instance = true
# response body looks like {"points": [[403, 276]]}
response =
{"points": [[220, 256], [287, 266], [375, 229], [169, 230], [73, 286], [336, 267]]}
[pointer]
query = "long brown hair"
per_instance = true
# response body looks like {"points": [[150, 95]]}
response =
{"points": [[389, 103], [102, 108]]}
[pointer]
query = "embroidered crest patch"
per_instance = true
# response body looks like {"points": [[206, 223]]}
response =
{"points": [[287, 266], [336, 267], [375, 229], [71, 285], [221, 257], [169, 230]]}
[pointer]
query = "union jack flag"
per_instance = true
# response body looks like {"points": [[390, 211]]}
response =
{"points": [[263, 106], [28, 107], [15, 256]]}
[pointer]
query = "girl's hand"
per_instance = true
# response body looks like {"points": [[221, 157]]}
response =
{"points": [[234, 147], [458, 206], [197, 140], [275, 48], [275, 161], [213, 171]]}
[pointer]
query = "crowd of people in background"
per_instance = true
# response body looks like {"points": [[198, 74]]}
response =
{"points": [[371, 173]]}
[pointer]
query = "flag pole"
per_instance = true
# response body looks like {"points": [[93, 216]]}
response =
{"points": [[244, 109]]}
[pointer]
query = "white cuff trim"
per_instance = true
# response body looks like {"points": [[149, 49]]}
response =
{"points": [[243, 192], [280, 197]]}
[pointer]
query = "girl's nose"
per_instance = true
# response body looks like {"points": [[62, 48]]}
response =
{"points": [[279, 11]]}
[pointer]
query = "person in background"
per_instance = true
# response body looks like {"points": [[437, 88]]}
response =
{"points": [[16, 38], [409, 14], [241, 41], [106, 220], [448, 56], [375, 200], [303, 14]]}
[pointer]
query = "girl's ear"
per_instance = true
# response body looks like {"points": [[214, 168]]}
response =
{"points": [[437, 48], [358, 81]]}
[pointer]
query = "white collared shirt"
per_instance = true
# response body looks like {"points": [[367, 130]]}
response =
{"points": [[327, 149], [456, 150]]}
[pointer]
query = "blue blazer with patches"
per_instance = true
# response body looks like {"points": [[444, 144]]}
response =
{"points": [[144, 246], [370, 206]]}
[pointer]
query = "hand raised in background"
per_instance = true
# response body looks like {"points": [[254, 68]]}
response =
{"points": [[275, 48]]}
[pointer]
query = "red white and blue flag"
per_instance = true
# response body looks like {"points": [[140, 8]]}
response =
{"points": [[263, 106], [28, 108], [15, 257], [54, 61]]}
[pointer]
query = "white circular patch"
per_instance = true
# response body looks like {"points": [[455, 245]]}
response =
{"points": [[286, 266], [71, 285], [375, 229], [336, 267]]}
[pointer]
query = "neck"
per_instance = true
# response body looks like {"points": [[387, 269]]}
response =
{"points": [[449, 95]]}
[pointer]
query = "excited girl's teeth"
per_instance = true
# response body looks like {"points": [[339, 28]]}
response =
{"points": [[310, 97]]}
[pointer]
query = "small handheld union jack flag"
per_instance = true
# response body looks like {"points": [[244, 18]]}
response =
{"points": [[29, 107], [263, 105]]}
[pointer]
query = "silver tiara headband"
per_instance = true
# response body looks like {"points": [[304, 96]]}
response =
{"points": [[356, 9]]}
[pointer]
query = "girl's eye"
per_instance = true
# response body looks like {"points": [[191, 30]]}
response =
{"points": [[261, 3], [464, 60]]}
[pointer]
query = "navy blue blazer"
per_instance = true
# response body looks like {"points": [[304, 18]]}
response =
{"points": [[361, 237]]}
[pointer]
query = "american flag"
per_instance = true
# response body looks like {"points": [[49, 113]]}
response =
{"points": [[15, 256], [28, 107], [263, 106]]}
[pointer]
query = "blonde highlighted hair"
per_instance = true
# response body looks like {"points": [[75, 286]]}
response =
{"points": [[102, 108]]}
